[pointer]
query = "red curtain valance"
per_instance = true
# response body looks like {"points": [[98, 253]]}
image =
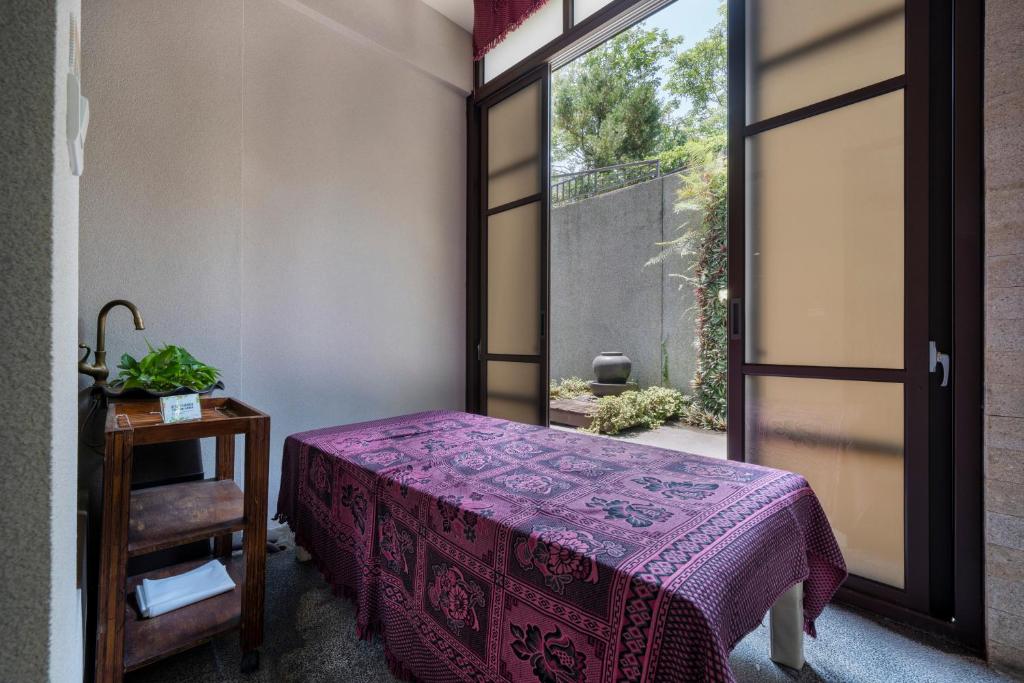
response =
{"points": [[494, 19]]}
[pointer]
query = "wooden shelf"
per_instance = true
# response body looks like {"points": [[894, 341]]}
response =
{"points": [[148, 640], [167, 516], [148, 520], [220, 416]]}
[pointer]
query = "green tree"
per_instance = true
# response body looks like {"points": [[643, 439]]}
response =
{"points": [[638, 96], [608, 106], [697, 77]]}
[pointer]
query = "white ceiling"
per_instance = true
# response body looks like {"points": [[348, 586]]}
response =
{"points": [[459, 11]]}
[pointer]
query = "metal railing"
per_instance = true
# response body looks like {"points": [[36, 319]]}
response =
{"points": [[572, 187]]}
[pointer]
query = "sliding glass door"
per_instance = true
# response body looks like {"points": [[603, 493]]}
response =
{"points": [[829, 269], [513, 225], [854, 133]]}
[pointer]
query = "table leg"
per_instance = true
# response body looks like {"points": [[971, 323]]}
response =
{"points": [[225, 470], [254, 543], [786, 630], [117, 484]]}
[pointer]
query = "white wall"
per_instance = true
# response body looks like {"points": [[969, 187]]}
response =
{"points": [[353, 250], [65, 663], [38, 278], [162, 197], [279, 185]]}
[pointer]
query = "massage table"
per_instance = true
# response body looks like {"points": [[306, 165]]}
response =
{"points": [[487, 550]]}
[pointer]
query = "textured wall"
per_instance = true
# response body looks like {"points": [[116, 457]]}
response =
{"points": [[38, 277], [261, 186], [603, 298], [1004, 332], [354, 230], [407, 31], [162, 198]]}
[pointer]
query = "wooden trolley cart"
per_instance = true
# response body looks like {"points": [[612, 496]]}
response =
{"points": [[147, 520]]}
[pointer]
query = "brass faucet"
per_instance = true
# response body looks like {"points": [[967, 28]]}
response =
{"points": [[98, 369]]}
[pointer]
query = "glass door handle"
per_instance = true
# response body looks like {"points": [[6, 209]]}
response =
{"points": [[736, 319], [937, 358]]}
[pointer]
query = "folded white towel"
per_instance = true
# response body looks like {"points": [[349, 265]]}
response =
{"points": [[158, 596]]}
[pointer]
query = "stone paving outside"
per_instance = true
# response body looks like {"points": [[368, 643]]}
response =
{"points": [[674, 436]]}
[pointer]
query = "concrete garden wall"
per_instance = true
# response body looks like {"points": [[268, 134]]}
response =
{"points": [[603, 298]]}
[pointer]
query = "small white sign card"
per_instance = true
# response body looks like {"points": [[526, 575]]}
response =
{"points": [[180, 408]]}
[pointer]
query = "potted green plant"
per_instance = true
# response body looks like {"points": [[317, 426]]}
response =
{"points": [[166, 371]]}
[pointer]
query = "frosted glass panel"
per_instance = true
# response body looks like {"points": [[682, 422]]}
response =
{"points": [[805, 51], [582, 9], [540, 28], [846, 439], [825, 239], [513, 391], [513, 281], [514, 146]]}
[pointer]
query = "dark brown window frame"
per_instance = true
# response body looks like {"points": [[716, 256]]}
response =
{"points": [[477, 355], [914, 84], [968, 628], [962, 612], [968, 304]]}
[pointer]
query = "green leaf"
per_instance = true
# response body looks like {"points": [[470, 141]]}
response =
{"points": [[169, 367], [128, 363]]}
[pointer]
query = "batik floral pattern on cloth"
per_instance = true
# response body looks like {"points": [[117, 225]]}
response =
{"points": [[488, 550], [353, 499], [564, 555], [684, 490], [395, 544], [584, 467], [473, 460], [553, 656], [456, 597], [635, 514], [530, 484]]}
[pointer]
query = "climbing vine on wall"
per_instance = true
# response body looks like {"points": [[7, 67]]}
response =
{"points": [[709, 277], [705, 245]]}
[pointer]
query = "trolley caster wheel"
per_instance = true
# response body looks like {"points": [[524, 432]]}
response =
{"points": [[250, 661]]}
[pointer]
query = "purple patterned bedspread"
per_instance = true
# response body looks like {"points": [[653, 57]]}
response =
{"points": [[487, 550]]}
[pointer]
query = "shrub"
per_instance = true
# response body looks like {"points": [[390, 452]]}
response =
{"points": [[648, 408], [695, 416], [568, 388]]}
